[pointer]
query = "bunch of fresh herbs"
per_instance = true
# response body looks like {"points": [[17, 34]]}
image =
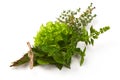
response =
{"points": [[55, 42]]}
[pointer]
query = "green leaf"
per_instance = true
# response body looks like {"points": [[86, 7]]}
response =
{"points": [[81, 61], [61, 43], [42, 62], [92, 41], [59, 66], [91, 29], [104, 29], [83, 52], [78, 51], [59, 58]]}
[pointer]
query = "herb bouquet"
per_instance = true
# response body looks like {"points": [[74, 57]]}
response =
{"points": [[55, 43]]}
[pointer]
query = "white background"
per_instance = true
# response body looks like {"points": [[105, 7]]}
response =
{"points": [[20, 20]]}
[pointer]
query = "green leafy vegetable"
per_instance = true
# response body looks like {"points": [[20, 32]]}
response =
{"points": [[55, 43]]}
